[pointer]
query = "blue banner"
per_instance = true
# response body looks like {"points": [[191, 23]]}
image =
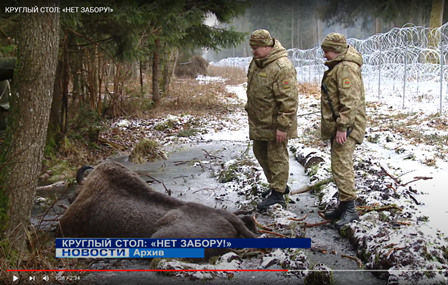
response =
{"points": [[183, 243], [129, 253]]}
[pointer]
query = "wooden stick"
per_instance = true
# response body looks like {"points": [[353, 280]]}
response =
{"points": [[272, 233], [65, 207], [321, 214], [354, 258], [403, 223], [301, 219], [368, 207], [392, 250], [300, 115], [417, 178], [153, 178], [413, 198], [52, 186], [392, 187], [311, 187], [318, 224], [387, 173], [211, 156], [260, 225], [384, 208]]}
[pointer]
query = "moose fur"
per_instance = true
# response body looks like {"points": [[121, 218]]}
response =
{"points": [[115, 202]]}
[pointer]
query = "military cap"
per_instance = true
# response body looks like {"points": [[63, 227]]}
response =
{"points": [[334, 42], [261, 38]]}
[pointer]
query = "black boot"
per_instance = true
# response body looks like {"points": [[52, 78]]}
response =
{"points": [[267, 192], [335, 214], [349, 214], [274, 198]]}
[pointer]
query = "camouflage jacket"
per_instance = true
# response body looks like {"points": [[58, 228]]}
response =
{"points": [[346, 91], [272, 95]]}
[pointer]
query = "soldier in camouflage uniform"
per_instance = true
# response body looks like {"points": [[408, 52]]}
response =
{"points": [[272, 101], [343, 119]]}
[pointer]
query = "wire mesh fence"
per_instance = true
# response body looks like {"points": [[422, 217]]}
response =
{"points": [[406, 66]]}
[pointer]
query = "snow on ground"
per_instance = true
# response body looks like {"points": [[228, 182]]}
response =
{"points": [[402, 164], [383, 150]]}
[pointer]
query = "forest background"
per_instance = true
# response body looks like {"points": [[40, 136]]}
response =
{"points": [[75, 70]]}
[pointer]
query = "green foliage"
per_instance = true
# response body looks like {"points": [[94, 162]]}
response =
{"points": [[50, 146], [349, 12], [154, 264], [88, 123], [373, 138], [213, 38], [234, 171], [146, 150], [8, 251], [7, 50], [3, 206], [319, 277], [311, 171], [165, 125], [229, 174], [189, 132]]}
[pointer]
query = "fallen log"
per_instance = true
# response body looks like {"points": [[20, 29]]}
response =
{"points": [[311, 187], [53, 186]]}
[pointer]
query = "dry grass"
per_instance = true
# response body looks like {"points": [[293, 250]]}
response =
{"points": [[187, 96], [309, 90], [146, 150], [234, 75]]}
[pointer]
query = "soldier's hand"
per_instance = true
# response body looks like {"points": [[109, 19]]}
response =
{"points": [[341, 137], [281, 136]]}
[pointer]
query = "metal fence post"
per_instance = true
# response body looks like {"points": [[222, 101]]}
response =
{"points": [[405, 72], [379, 71], [441, 74]]}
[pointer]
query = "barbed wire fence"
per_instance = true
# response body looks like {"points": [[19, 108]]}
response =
{"points": [[405, 66]]}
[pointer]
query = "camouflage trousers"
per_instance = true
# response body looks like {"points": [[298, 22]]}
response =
{"points": [[274, 159], [342, 168]]}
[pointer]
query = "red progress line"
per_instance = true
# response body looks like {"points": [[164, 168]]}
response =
{"points": [[263, 270]]}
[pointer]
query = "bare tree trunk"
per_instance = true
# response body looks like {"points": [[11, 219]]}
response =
{"points": [[55, 114], [292, 27], [141, 76], [99, 70], [436, 19], [77, 75], [378, 27], [155, 72], [22, 151], [246, 51], [168, 69], [319, 31], [299, 38], [435, 22], [65, 84]]}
